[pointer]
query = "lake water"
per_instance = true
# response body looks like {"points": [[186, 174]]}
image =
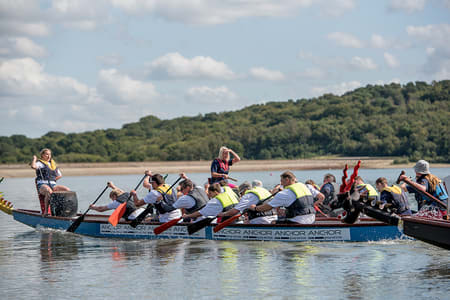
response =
{"points": [[49, 264]]}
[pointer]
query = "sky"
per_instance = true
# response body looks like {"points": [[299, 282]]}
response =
{"points": [[81, 65]]}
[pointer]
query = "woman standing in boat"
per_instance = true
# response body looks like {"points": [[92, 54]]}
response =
{"points": [[47, 173], [221, 165]]}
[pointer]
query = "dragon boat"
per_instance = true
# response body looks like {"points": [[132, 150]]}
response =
{"points": [[324, 229], [428, 225]]}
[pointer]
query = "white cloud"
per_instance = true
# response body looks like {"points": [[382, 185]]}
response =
{"points": [[337, 89], [24, 76], [174, 65], [437, 35], [80, 14], [120, 88], [21, 46], [345, 40], [336, 8], [110, 59], [212, 11], [390, 59], [265, 74], [437, 48], [363, 63], [12, 28], [207, 95], [379, 41], [407, 6]]}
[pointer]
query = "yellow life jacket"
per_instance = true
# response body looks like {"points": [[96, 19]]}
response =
{"points": [[371, 191], [260, 192], [227, 200], [50, 164]]}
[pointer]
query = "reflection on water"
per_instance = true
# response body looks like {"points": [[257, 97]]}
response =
{"points": [[58, 246]]}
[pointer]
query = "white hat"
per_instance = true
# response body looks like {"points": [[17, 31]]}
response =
{"points": [[422, 167], [257, 182]]}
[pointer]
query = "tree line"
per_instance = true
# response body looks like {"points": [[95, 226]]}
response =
{"points": [[408, 121]]}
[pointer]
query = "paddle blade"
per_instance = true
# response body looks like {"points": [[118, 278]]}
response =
{"points": [[117, 214], [75, 224], [165, 226], [226, 223], [194, 227]]}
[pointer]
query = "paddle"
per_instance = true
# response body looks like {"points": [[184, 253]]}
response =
{"points": [[120, 210], [80, 219], [143, 214], [425, 193], [231, 178], [194, 227], [227, 222], [320, 211], [165, 226]]}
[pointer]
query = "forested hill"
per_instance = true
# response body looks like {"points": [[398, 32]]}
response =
{"points": [[410, 121]]}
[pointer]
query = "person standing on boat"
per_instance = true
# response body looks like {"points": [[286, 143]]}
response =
{"points": [[193, 196], [220, 166], [220, 201], [161, 197], [118, 197], [330, 190], [393, 195], [252, 195], [295, 197], [47, 173], [427, 182]]}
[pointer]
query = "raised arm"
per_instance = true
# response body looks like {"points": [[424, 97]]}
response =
{"points": [[146, 184], [33, 162], [236, 157]]}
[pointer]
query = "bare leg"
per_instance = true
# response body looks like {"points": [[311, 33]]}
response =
{"points": [[46, 191], [60, 188]]}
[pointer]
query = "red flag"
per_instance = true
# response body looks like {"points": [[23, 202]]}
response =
{"points": [[117, 214]]}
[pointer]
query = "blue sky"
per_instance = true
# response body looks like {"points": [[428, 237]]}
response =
{"points": [[82, 65]]}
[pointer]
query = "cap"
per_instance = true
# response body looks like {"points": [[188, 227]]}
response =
{"points": [[244, 186], [422, 167], [257, 182]]}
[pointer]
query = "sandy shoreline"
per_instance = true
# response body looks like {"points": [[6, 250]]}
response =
{"points": [[122, 168]]}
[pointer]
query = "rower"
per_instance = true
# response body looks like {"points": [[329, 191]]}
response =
{"points": [[295, 197], [161, 197], [393, 195], [330, 190], [426, 182], [220, 201], [252, 195], [365, 189], [193, 196], [118, 196]]}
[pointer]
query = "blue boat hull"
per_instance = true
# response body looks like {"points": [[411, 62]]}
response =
{"points": [[323, 230]]}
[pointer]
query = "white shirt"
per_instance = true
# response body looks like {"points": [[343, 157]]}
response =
{"points": [[249, 199], [314, 191], [285, 198], [212, 208], [151, 198], [113, 205], [184, 201]]}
